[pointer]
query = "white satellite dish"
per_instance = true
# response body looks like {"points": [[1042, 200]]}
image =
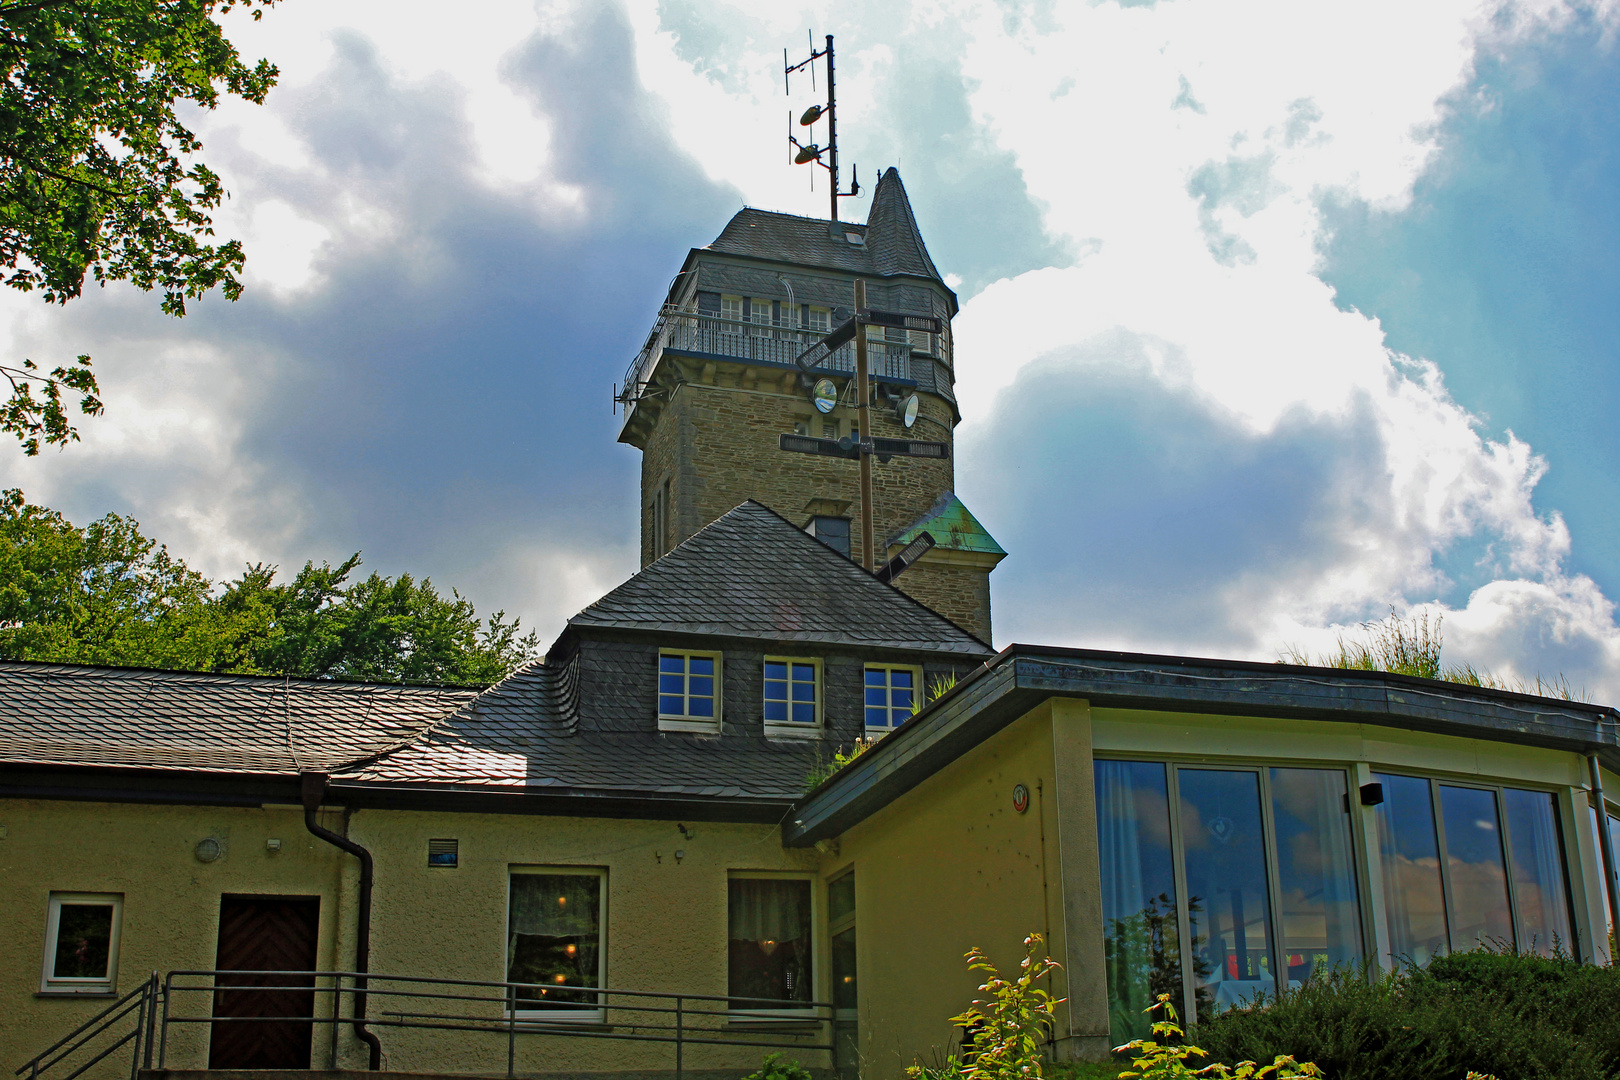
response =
{"points": [[908, 410], [824, 394]]}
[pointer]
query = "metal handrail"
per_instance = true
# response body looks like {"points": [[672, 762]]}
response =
{"points": [[717, 335], [566, 1022], [140, 1001]]}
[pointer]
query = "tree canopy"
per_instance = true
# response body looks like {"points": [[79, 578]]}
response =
{"points": [[96, 171], [106, 594]]}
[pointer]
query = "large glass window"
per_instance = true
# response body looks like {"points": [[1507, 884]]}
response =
{"points": [[554, 942], [1224, 849], [769, 948], [1320, 917], [1141, 932], [1466, 866], [81, 943], [1540, 889], [1409, 853]]}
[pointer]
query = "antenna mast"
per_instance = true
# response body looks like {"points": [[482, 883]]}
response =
{"points": [[825, 156]]}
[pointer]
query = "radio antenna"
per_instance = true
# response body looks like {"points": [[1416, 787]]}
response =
{"points": [[812, 152]]}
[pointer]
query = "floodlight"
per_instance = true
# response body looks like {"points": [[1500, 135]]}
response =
{"points": [[807, 155], [811, 115], [907, 410]]}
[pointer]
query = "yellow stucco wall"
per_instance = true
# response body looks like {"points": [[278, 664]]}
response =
{"points": [[171, 900], [666, 919], [948, 866]]}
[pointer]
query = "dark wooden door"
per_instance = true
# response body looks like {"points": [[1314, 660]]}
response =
{"points": [[265, 933]]}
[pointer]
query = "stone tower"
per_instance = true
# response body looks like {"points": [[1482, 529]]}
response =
{"points": [[715, 385]]}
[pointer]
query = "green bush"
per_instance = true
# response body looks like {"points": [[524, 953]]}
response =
{"points": [[775, 1068], [1008, 1026], [1489, 1011]]}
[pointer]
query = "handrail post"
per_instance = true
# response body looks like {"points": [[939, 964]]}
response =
{"points": [[151, 1019], [163, 1038], [678, 1037], [140, 1029], [511, 1032]]}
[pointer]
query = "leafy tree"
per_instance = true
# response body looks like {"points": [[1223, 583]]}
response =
{"points": [[106, 594], [92, 180]]}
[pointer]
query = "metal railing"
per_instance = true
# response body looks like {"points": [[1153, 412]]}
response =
{"points": [[136, 1011], [691, 331], [513, 1010]]}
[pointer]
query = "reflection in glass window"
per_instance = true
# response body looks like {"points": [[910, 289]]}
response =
{"points": [[1479, 896], [554, 940], [1140, 937], [1414, 900], [81, 943], [686, 685], [1229, 908], [790, 692], [1316, 870], [890, 695], [768, 957], [1539, 888]]}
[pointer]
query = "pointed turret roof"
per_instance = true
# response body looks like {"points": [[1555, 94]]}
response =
{"points": [[892, 235], [888, 245]]}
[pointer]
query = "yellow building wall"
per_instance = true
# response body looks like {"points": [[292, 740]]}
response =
{"points": [[171, 900], [666, 922], [946, 867]]}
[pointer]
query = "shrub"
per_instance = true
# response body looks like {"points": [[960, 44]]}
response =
{"points": [[775, 1068], [1489, 1011], [1168, 1060], [1008, 1025]]}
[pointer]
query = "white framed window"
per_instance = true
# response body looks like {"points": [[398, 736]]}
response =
{"points": [[893, 692], [761, 316], [770, 947], [731, 308], [792, 695], [555, 944], [689, 690], [820, 320], [81, 943]]}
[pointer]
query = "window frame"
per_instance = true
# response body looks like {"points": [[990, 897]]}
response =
{"points": [[686, 722], [65, 986], [560, 1015], [817, 945], [916, 695], [793, 729]]}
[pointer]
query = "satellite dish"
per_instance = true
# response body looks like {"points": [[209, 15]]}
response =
{"points": [[908, 410], [824, 395], [811, 115], [807, 155]]}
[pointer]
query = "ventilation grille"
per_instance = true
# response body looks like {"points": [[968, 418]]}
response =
{"points": [[444, 853]]}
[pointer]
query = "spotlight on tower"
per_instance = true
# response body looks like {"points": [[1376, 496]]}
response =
{"points": [[811, 115], [808, 154]]}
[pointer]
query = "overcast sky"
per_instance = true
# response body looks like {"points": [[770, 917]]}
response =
{"points": [[1274, 315]]}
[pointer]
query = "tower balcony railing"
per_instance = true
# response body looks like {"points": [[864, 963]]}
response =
{"points": [[714, 335]]}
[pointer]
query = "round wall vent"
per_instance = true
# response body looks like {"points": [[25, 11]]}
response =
{"points": [[210, 850]]}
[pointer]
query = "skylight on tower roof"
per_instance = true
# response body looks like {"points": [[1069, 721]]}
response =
{"points": [[858, 239]]}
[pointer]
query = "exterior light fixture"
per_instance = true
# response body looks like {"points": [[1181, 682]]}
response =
{"points": [[807, 155], [811, 115], [906, 410]]}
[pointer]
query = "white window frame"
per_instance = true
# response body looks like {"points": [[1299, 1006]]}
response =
{"points": [[820, 320], [561, 1015], [731, 308], [769, 1016], [916, 695], [49, 983], [702, 725], [793, 729]]}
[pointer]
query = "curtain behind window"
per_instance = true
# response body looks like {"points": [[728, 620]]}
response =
{"points": [[554, 938], [769, 946]]}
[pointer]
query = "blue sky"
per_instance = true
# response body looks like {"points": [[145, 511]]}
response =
{"points": [[1274, 317]]}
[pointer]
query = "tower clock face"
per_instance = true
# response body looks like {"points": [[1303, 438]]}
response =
{"points": [[825, 395], [908, 410]]}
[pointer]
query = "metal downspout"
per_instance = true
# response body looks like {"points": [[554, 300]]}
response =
{"points": [[1606, 842], [314, 789]]}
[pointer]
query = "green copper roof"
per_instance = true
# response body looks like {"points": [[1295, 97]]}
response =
{"points": [[953, 528]]}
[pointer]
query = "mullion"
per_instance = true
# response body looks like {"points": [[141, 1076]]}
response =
{"points": [[1505, 838], [1445, 862], [1178, 863], [1268, 841]]}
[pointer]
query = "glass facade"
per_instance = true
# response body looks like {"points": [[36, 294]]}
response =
{"points": [[1223, 883]]}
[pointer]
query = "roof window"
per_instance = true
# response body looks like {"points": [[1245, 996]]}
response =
{"points": [[858, 239]]}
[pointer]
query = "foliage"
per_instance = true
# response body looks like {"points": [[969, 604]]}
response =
{"points": [[106, 594], [1488, 1011], [824, 767], [1167, 1060], [96, 177], [775, 1068], [941, 686], [1007, 1026], [1412, 647]]}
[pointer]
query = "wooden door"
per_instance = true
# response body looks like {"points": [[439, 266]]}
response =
{"points": [[265, 933]]}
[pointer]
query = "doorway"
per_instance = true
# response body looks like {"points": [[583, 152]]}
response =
{"points": [[270, 934]]}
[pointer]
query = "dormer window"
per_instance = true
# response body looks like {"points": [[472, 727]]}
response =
{"points": [[689, 691], [792, 695]]}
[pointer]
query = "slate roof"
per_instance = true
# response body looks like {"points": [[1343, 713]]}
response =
{"points": [[69, 715], [752, 573], [516, 737], [894, 245], [953, 527]]}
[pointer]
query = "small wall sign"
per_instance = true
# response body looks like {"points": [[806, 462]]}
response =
{"points": [[1020, 798]]}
